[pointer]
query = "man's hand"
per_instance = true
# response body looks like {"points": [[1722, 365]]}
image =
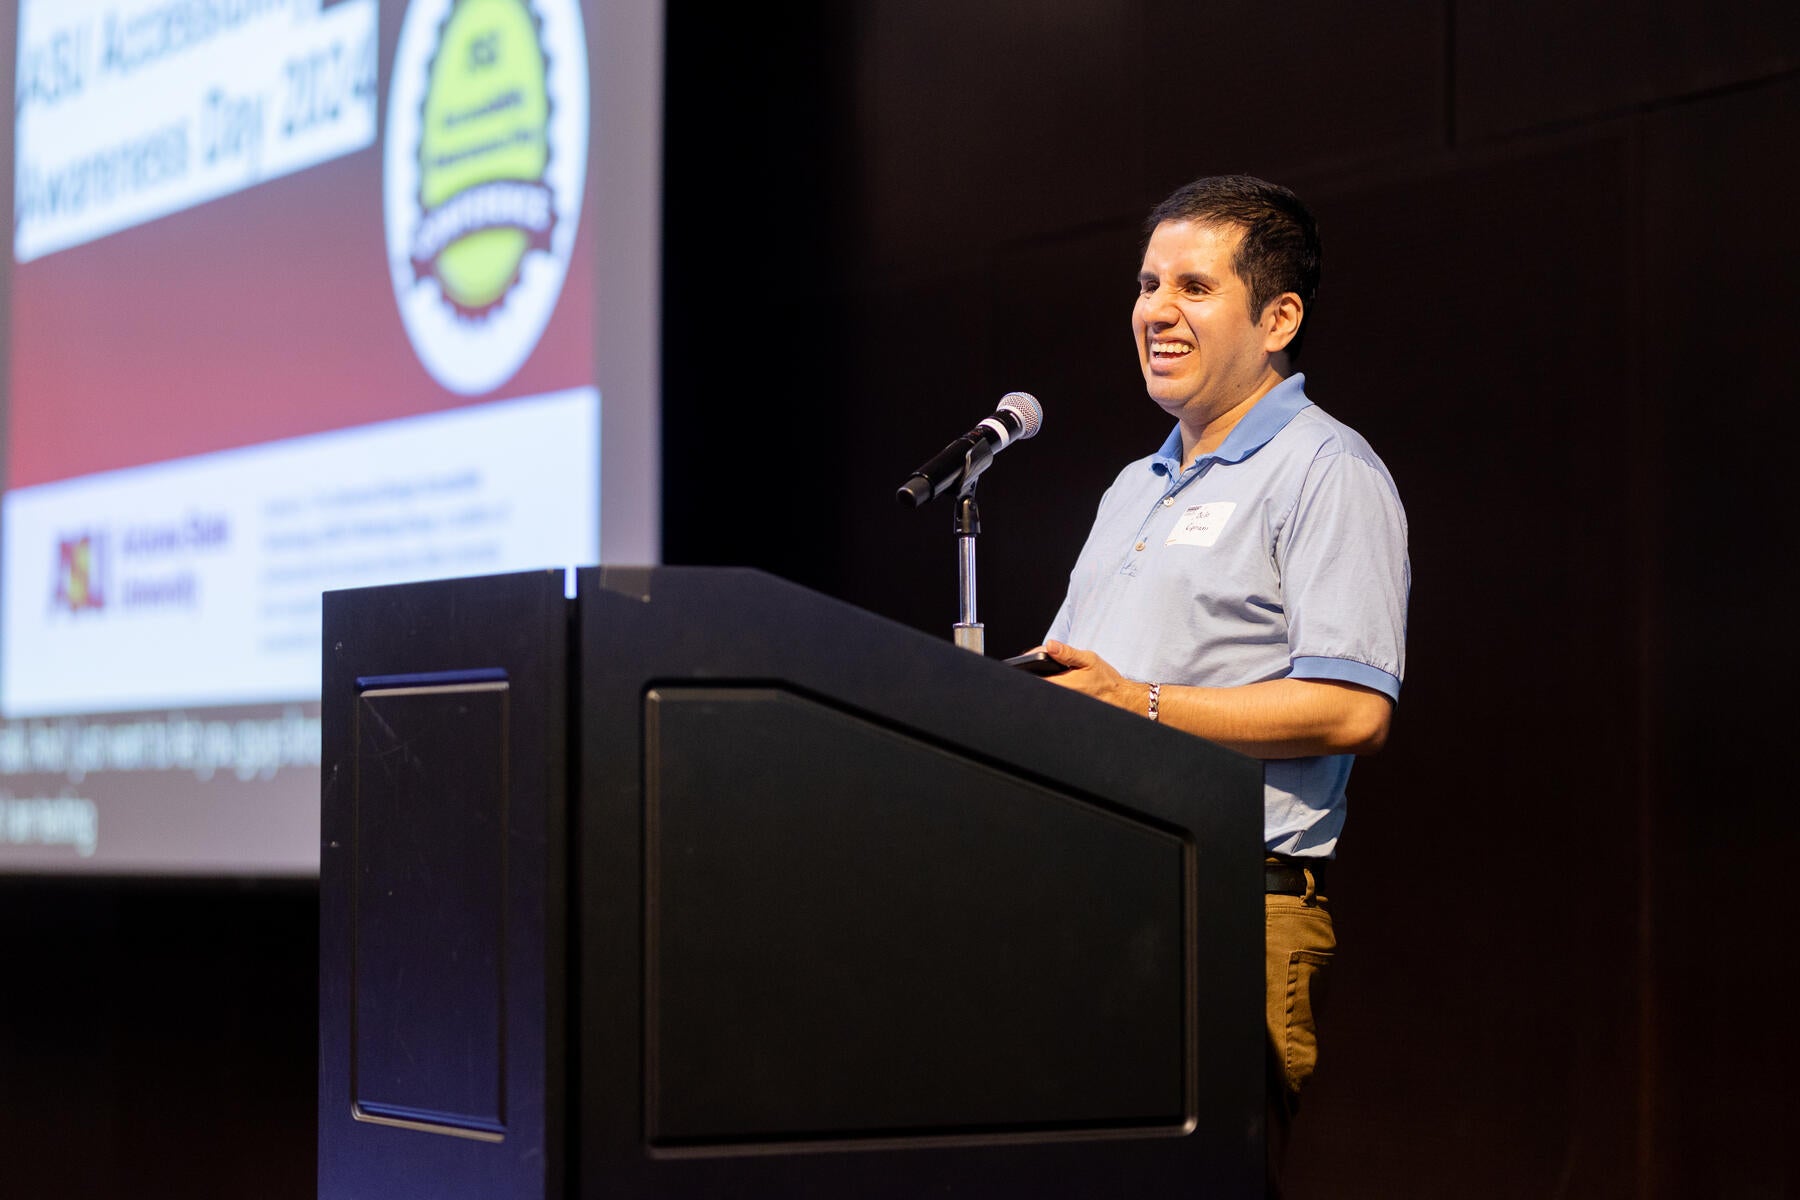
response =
{"points": [[1092, 675]]}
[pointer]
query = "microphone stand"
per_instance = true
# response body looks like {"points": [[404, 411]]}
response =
{"points": [[968, 631]]}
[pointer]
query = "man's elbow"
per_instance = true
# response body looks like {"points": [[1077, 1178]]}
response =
{"points": [[1364, 726]]}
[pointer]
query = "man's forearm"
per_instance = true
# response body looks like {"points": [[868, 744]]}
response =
{"points": [[1280, 718]]}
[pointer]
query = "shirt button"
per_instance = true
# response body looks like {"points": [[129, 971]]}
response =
{"points": [[1140, 546], [1168, 500]]}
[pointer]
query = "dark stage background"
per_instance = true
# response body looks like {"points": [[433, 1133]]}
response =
{"points": [[1559, 295]]}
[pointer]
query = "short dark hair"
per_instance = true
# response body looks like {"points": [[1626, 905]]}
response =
{"points": [[1280, 249]]}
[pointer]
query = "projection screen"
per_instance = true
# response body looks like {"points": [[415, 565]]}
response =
{"points": [[303, 295]]}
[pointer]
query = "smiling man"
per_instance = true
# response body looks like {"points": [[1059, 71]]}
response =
{"points": [[1248, 581]]}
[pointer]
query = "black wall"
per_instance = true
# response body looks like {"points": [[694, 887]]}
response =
{"points": [[1559, 290]]}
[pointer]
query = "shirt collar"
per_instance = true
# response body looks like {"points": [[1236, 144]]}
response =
{"points": [[1266, 418]]}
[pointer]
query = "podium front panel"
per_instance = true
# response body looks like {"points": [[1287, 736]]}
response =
{"points": [[896, 940], [865, 914]]}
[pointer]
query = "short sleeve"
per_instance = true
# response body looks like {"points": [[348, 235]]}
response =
{"points": [[1345, 575]]}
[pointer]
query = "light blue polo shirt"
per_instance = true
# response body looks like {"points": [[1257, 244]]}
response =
{"points": [[1280, 555]]}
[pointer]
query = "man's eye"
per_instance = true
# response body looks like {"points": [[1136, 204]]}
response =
{"points": [[1195, 289]]}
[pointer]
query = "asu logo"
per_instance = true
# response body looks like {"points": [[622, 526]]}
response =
{"points": [[79, 583], [485, 164]]}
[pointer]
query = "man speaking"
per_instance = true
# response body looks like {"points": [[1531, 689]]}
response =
{"points": [[1248, 581]]}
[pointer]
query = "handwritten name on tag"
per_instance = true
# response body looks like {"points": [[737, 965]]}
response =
{"points": [[1201, 524]]}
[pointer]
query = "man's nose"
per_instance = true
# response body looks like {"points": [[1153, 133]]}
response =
{"points": [[1158, 307]]}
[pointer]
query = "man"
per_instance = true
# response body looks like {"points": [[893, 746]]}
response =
{"points": [[1248, 581]]}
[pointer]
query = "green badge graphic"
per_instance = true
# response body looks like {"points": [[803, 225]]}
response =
{"points": [[485, 164], [482, 153]]}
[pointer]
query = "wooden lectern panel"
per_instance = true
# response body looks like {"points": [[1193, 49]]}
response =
{"points": [[442, 911], [428, 887], [901, 946]]}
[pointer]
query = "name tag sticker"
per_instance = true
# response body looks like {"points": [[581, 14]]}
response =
{"points": [[1201, 524]]}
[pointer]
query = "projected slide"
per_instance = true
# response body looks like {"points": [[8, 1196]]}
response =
{"points": [[302, 298]]}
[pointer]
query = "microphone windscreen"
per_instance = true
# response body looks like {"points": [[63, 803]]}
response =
{"points": [[1026, 408]]}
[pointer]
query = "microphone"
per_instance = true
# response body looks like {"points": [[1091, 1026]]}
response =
{"points": [[1018, 417]]}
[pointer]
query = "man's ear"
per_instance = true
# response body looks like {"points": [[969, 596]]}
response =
{"points": [[1281, 319]]}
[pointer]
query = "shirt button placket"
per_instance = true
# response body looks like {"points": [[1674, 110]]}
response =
{"points": [[1142, 543]]}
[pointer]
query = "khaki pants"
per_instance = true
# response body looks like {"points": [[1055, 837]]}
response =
{"points": [[1299, 943]]}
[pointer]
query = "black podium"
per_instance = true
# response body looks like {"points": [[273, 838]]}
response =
{"points": [[703, 885]]}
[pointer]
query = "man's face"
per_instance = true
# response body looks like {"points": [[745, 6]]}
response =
{"points": [[1201, 350]]}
